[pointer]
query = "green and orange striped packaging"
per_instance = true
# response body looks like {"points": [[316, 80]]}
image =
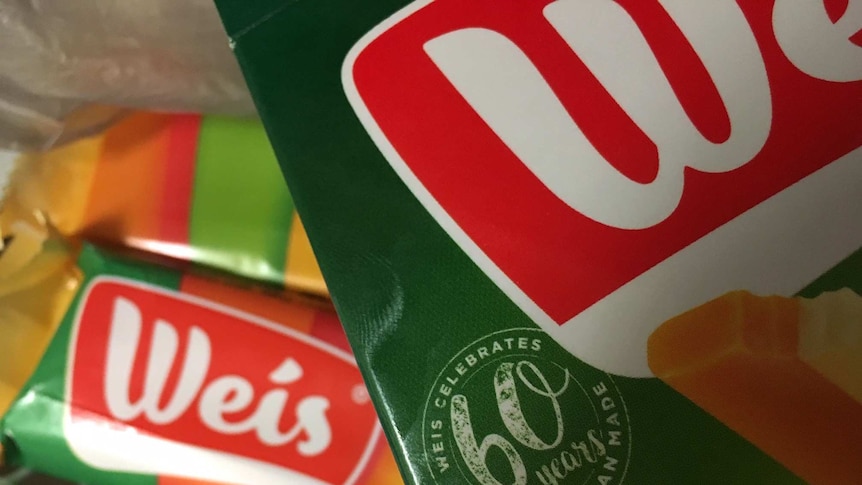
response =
{"points": [[202, 189]]}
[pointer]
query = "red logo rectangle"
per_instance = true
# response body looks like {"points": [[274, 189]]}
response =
{"points": [[194, 374], [609, 164], [564, 259]]}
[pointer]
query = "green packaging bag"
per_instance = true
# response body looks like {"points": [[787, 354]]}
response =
{"points": [[564, 237]]}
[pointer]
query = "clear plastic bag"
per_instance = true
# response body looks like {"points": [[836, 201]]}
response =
{"points": [[68, 68]]}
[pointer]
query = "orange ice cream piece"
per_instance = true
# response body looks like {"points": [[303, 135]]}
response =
{"points": [[784, 373]]}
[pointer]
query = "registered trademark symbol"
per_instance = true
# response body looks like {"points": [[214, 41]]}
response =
{"points": [[359, 394]]}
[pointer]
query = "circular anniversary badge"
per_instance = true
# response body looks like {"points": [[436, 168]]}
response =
{"points": [[515, 408]]}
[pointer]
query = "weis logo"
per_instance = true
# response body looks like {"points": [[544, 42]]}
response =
{"points": [[610, 164], [180, 386]]}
